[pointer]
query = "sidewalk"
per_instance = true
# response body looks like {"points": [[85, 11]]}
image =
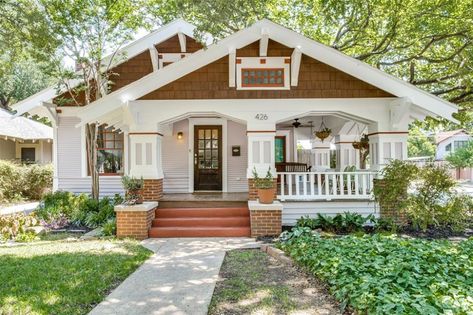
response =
{"points": [[21, 208], [179, 279]]}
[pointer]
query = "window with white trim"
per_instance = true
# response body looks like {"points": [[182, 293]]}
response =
{"points": [[262, 77]]}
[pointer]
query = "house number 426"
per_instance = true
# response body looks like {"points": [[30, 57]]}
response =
{"points": [[261, 117]]}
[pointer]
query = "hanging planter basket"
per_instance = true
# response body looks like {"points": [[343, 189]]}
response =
{"points": [[323, 132], [363, 144]]}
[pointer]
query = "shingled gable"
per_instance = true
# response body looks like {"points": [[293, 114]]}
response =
{"points": [[327, 56], [136, 58], [316, 80]]}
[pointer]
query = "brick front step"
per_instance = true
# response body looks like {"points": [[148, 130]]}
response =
{"points": [[201, 212], [199, 232], [240, 221]]}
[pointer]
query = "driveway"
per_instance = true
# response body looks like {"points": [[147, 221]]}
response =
{"points": [[179, 279]]}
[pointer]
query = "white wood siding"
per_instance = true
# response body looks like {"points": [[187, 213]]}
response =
{"points": [[175, 159], [70, 160], [294, 210], [236, 177]]}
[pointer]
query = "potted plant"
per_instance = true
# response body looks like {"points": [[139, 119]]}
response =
{"points": [[363, 144], [133, 189], [265, 186], [323, 134]]}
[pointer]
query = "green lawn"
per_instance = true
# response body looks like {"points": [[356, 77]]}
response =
{"points": [[391, 275], [61, 277]]}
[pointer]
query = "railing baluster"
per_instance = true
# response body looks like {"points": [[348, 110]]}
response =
{"points": [[334, 184], [319, 184], [364, 185], [349, 184], [289, 184], [341, 180], [327, 183], [312, 188], [297, 177], [304, 183], [281, 181], [357, 184]]}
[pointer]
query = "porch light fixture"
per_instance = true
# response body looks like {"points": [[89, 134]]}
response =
{"points": [[180, 135]]}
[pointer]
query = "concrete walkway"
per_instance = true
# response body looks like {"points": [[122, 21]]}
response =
{"points": [[20, 208], [179, 279]]}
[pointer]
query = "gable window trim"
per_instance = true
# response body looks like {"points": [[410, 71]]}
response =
{"points": [[262, 74], [245, 64]]}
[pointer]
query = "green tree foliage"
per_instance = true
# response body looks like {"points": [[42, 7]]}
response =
{"points": [[462, 157], [425, 42], [419, 144]]}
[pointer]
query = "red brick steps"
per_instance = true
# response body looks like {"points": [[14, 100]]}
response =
{"points": [[201, 222]]}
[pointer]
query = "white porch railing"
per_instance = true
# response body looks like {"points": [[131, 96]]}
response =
{"points": [[325, 185]]}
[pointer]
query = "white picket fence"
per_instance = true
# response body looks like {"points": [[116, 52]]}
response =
{"points": [[325, 185]]}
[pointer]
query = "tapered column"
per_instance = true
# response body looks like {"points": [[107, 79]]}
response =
{"points": [[347, 155], [261, 157], [145, 151], [386, 146], [321, 152]]}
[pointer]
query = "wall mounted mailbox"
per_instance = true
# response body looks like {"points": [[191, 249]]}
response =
{"points": [[236, 150]]}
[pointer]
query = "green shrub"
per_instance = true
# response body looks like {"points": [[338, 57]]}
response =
{"points": [[435, 202], [347, 222], [57, 209], [13, 225], [390, 275], [109, 228], [19, 181], [93, 213]]}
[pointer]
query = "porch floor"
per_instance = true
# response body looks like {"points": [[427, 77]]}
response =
{"points": [[206, 196]]}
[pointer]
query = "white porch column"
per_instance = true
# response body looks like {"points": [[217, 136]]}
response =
{"points": [[386, 146], [321, 152], [346, 154], [261, 152], [145, 154]]}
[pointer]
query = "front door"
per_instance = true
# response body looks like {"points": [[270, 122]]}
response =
{"points": [[207, 157]]}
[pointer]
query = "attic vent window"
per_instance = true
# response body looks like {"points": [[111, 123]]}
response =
{"points": [[264, 77]]}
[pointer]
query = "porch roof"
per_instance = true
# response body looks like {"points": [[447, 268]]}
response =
{"points": [[23, 128]]}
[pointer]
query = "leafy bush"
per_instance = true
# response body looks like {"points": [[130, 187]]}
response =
{"points": [[61, 208], [110, 227], [58, 208], [340, 223], [389, 275], [19, 181], [13, 225], [435, 202]]}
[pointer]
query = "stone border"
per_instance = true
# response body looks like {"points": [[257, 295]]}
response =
{"points": [[135, 220], [277, 254]]}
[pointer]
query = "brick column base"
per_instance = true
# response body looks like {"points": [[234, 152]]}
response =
{"points": [[390, 210], [135, 220], [153, 189], [253, 191], [266, 219]]}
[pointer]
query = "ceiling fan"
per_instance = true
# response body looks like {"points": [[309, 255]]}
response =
{"points": [[296, 123]]}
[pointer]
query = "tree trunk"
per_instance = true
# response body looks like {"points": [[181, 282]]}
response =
{"points": [[91, 142]]}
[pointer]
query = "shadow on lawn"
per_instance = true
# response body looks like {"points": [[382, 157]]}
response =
{"points": [[63, 282]]}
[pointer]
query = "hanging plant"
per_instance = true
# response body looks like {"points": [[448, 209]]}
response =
{"points": [[324, 132], [363, 144]]}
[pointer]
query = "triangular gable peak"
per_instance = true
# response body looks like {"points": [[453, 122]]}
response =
{"points": [[315, 80]]}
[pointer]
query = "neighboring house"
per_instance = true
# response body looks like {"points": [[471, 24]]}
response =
{"points": [[448, 141], [190, 119], [25, 140]]}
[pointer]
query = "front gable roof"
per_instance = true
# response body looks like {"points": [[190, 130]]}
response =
{"points": [[130, 51], [429, 103], [23, 128]]}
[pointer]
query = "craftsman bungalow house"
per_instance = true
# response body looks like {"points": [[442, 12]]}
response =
{"points": [[191, 119]]}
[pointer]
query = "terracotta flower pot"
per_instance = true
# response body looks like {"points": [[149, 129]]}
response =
{"points": [[266, 196], [136, 195]]}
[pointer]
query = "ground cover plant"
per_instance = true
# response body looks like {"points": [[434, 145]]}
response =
{"points": [[251, 282], [61, 277], [62, 208], [378, 274]]}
